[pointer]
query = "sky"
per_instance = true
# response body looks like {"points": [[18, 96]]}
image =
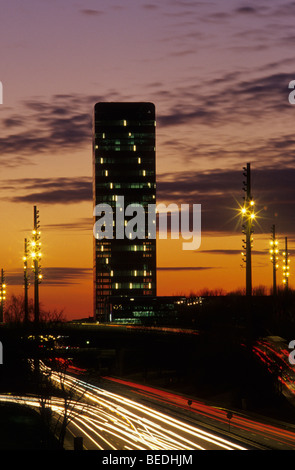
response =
{"points": [[218, 74]]}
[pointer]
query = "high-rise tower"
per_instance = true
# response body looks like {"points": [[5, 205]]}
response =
{"points": [[124, 174]]}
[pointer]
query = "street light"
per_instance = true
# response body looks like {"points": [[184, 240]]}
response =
{"points": [[248, 217], [35, 253], [2, 296], [274, 252], [286, 267]]}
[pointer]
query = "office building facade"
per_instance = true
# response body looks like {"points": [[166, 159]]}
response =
{"points": [[124, 170]]}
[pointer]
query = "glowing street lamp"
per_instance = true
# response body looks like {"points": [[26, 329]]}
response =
{"points": [[286, 267], [274, 252], [36, 265], [26, 282], [248, 216], [2, 296]]}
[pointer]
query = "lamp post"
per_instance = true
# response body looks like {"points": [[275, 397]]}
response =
{"points": [[274, 251], [36, 257], [2, 296], [248, 216], [26, 282], [286, 269]]}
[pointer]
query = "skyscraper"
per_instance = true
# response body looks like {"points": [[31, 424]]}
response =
{"points": [[124, 175]]}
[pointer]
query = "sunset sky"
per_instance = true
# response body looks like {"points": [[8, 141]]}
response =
{"points": [[218, 74]]}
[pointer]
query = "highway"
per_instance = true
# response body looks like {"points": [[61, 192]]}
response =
{"points": [[122, 415], [109, 421], [256, 429]]}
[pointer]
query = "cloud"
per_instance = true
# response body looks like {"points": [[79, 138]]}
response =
{"points": [[64, 123], [185, 268], [220, 194], [150, 6], [218, 191], [247, 10], [53, 276], [59, 276], [91, 12], [238, 100], [229, 252], [53, 126], [84, 224], [61, 190]]}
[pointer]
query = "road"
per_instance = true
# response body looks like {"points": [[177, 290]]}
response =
{"points": [[112, 421], [109, 421], [268, 433], [145, 418]]}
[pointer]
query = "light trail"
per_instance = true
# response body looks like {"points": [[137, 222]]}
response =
{"points": [[111, 421], [100, 397], [238, 421]]}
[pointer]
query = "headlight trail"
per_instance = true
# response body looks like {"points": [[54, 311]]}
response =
{"points": [[111, 421]]}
